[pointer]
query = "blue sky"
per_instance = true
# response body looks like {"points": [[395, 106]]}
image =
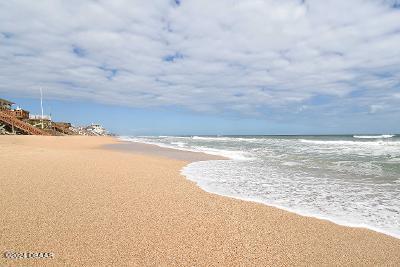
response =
{"points": [[207, 67]]}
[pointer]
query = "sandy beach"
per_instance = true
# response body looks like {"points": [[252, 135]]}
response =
{"points": [[94, 202]]}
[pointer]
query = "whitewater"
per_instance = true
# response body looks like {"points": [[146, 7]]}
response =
{"points": [[349, 180]]}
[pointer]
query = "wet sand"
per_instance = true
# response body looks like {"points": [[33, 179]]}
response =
{"points": [[96, 206]]}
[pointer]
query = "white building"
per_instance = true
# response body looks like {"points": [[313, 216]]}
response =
{"points": [[96, 129]]}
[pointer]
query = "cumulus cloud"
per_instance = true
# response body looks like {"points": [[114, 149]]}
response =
{"points": [[208, 56]]}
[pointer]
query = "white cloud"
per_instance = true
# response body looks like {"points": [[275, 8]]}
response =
{"points": [[376, 108], [205, 55]]}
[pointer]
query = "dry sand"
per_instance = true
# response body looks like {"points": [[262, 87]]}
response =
{"points": [[92, 206]]}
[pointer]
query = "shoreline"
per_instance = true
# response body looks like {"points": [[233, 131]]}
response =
{"points": [[158, 150], [96, 206], [299, 213], [187, 155]]}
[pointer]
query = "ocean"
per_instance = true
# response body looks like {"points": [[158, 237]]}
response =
{"points": [[349, 180]]}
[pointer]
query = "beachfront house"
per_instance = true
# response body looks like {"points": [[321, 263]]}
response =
{"points": [[96, 129], [6, 107], [19, 113]]}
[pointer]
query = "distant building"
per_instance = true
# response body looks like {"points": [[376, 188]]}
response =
{"points": [[5, 104], [40, 117], [96, 129]]}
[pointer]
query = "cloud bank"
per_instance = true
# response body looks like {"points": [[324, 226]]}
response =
{"points": [[248, 57]]}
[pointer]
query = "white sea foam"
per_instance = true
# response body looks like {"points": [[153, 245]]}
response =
{"points": [[388, 149], [211, 138], [235, 182], [291, 163], [335, 142], [383, 136], [299, 211], [230, 154], [179, 144], [350, 182], [226, 138]]}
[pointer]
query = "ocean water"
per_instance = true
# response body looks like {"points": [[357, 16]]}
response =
{"points": [[350, 180]]}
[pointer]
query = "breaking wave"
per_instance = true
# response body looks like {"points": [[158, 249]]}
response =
{"points": [[383, 136]]}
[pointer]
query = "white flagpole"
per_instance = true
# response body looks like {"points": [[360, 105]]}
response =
{"points": [[41, 105]]}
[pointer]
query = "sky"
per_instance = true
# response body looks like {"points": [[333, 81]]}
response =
{"points": [[206, 67]]}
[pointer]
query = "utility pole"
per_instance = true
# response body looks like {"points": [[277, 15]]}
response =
{"points": [[41, 105]]}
